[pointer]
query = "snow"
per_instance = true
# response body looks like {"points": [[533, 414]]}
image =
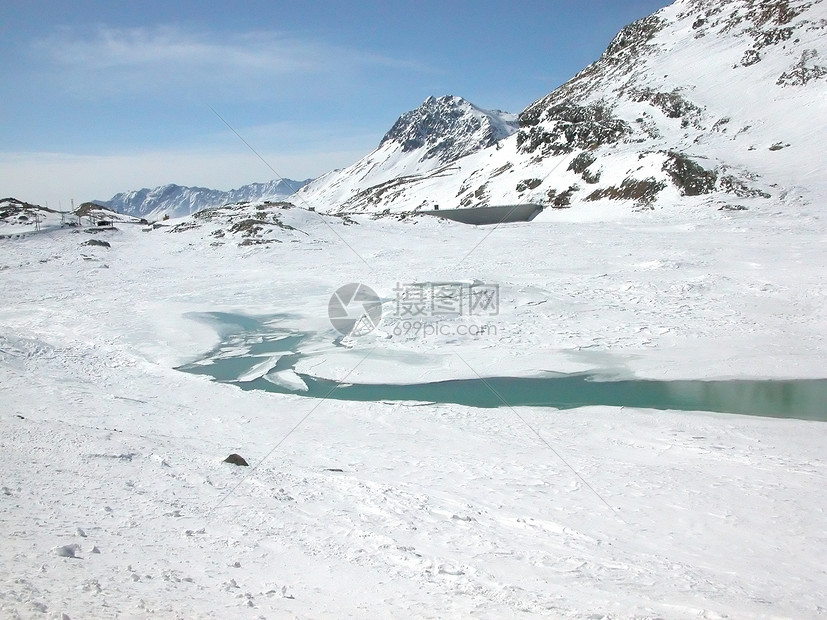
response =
{"points": [[288, 379], [260, 369], [439, 510]]}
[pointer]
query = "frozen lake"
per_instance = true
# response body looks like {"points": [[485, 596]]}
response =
{"points": [[257, 354]]}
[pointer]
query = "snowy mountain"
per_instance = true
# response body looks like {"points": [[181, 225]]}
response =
{"points": [[724, 100], [423, 141], [449, 128], [178, 201]]}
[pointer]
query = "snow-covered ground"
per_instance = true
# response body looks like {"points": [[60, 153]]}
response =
{"points": [[438, 510]]}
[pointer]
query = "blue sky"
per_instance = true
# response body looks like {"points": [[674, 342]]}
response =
{"points": [[101, 97]]}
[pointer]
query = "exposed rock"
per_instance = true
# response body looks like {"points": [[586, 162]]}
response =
{"points": [[751, 57], [690, 177], [580, 165], [528, 184], [664, 87], [738, 187], [236, 459], [672, 104], [774, 12], [581, 162], [772, 37], [563, 199], [643, 192], [804, 71], [591, 177], [87, 208], [565, 127], [17, 210], [632, 39]]}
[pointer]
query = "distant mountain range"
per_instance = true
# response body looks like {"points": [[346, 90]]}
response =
{"points": [[178, 201]]}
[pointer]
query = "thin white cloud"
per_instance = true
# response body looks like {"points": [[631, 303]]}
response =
{"points": [[106, 61]]}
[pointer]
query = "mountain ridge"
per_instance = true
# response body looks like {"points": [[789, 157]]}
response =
{"points": [[179, 201]]}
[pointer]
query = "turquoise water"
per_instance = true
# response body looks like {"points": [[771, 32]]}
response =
{"points": [[247, 341]]}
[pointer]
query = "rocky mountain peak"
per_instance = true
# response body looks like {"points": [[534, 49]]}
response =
{"points": [[450, 127]]}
